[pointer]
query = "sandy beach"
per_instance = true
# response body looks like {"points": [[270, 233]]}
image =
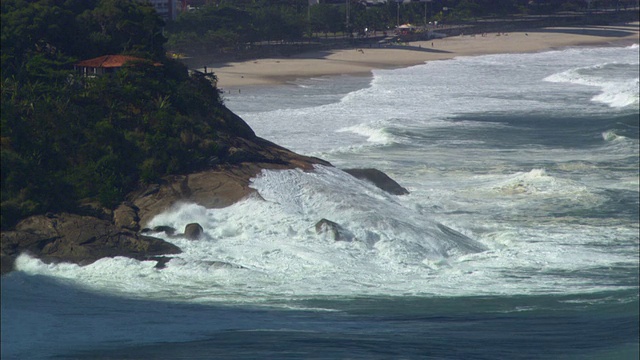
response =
{"points": [[360, 61]]}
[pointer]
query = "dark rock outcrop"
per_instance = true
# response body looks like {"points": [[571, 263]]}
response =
{"points": [[126, 216], [95, 233], [223, 185], [193, 231], [334, 230], [78, 239], [162, 228], [379, 179]]}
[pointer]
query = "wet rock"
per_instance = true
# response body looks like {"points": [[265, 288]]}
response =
{"points": [[168, 230], [240, 160], [161, 261], [126, 216], [95, 232], [379, 179], [78, 239], [333, 230], [193, 231]]}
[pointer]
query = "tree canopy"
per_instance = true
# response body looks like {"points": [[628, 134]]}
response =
{"points": [[67, 138]]}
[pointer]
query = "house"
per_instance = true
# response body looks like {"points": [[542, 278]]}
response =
{"points": [[107, 64]]}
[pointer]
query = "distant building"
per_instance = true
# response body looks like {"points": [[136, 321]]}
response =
{"points": [[343, 2], [167, 9], [107, 64]]}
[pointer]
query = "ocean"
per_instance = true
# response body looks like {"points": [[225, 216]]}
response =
{"points": [[519, 238]]}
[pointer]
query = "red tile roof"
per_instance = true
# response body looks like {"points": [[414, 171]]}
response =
{"points": [[110, 61]]}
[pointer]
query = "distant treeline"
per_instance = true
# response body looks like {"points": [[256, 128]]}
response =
{"points": [[69, 139], [233, 25]]}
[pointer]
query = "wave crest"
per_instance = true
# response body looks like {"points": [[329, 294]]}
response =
{"points": [[616, 93]]}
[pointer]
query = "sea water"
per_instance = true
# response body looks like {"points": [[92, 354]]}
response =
{"points": [[519, 238]]}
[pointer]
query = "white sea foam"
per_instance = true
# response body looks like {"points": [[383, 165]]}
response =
{"points": [[267, 248], [522, 203], [619, 95], [610, 135], [616, 93], [526, 193], [374, 135], [538, 182]]}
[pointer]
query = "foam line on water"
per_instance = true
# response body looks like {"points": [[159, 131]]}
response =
{"points": [[616, 93], [266, 248]]}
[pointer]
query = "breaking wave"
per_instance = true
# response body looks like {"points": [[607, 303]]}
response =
{"points": [[616, 93]]}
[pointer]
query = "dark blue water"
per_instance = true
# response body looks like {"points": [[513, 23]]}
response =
{"points": [[593, 326]]}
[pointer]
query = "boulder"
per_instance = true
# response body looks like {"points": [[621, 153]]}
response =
{"points": [[333, 230], [165, 229], [193, 231], [78, 239], [379, 179], [126, 216]]}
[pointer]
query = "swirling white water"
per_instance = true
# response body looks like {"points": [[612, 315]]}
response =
{"points": [[523, 179], [453, 132]]}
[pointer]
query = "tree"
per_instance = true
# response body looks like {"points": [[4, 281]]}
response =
{"points": [[67, 139], [119, 26]]}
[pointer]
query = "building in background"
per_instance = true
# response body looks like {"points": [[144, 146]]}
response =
{"points": [[108, 64], [167, 9]]}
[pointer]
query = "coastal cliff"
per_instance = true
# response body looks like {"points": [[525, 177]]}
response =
{"points": [[92, 152], [95, 232]]}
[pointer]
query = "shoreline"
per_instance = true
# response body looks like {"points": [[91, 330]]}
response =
{"points": [[361, 61]]}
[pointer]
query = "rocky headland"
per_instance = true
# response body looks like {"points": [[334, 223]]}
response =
{"points": [[94, 232]]}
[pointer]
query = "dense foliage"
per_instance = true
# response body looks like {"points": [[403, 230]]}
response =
{"points": [[67, 138], [233, 25]]}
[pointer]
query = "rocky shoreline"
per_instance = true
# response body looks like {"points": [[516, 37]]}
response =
{"points": [[93, 233]]}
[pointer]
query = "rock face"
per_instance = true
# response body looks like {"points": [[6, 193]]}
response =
{"points": [[83, 239], [379, 179], [163, 228], [87, 237], [78, 239], [223, 185], [193, 231], [126, 216], [333, 230]]}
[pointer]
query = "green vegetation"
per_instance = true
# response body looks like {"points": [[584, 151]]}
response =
{"points": [[67, 139], [231, 26]]}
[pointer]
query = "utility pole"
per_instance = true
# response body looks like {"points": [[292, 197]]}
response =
{"points": [[347, 14], [425, 10]]}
